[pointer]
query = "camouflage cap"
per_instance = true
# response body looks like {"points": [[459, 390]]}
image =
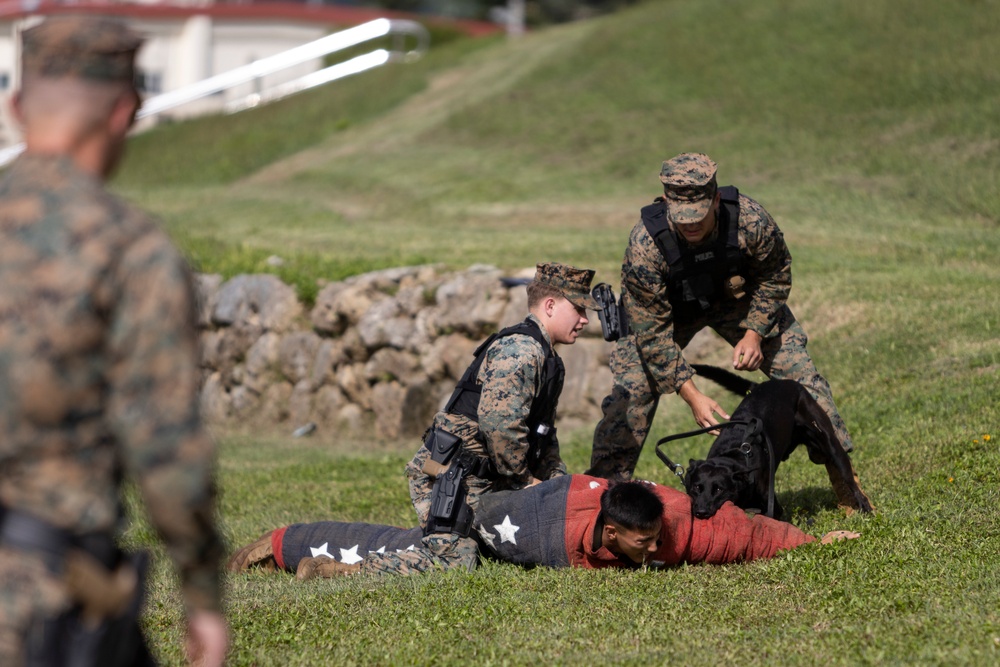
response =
{"points": [[572, 283], [689, 187], [98, 48]]}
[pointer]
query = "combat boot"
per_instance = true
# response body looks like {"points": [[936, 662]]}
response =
{"points": [[324, 567], [258, 554]]}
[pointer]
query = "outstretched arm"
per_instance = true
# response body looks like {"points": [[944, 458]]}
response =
{"points": [[838, 535], [650, 315], [730, 536]]}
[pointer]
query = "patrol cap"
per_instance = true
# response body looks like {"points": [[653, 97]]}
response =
{"points": [[689, 187], [572, 283], [98, 48]]}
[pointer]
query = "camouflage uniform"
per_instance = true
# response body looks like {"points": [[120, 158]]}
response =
{"points": [[649, 361], [437, 551], [98, 362], [511, 379]]}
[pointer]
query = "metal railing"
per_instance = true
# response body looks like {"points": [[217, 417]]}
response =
{"points": [[400, 29]]}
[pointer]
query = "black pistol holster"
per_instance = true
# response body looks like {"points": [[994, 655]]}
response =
{"points": [[614, 323], [106, 585], [450, 464]]}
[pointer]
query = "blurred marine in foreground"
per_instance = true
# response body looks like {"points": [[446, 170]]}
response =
{"points": [[98, 373]]}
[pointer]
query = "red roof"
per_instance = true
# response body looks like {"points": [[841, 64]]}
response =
{"points": [[265, 11]]}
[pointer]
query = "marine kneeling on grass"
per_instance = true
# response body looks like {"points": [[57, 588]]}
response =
{"points": [[569, 521], [495, 433]]}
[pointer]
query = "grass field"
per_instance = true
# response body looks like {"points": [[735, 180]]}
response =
{"points": [[869, 131]]}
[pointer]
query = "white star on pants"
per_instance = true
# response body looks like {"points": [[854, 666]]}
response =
{"points": [[487, 536], [321, 551], [507, 530], [350, 556]]}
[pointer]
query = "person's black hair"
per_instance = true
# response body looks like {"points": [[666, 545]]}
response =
{"points": [[631, 505]]}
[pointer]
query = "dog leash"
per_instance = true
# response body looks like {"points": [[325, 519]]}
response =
{"points": [[677, 468], [754, 427]]}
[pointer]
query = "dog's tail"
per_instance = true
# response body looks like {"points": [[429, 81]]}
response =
{"points": [[725, 379]]}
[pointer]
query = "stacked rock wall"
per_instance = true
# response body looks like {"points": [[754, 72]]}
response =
{"points": [[377, 355]]}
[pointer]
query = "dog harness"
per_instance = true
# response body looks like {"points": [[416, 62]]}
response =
{"points": [[752, 435]]}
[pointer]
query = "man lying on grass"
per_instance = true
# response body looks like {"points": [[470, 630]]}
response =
{"points": [[571, 521]]}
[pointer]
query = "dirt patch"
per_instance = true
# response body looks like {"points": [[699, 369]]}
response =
{"points": [[488, 73], [617, 213], [820, 316], [485, 74]]}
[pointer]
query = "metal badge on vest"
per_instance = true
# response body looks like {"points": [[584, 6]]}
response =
{"points": [[700, 278]]}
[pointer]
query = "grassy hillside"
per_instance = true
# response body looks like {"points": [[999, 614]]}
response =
{"points": [[867, 129], [804, 104]]}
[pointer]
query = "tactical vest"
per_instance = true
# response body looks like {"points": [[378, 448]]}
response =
{"points": [[541, 418], [698, 277]]}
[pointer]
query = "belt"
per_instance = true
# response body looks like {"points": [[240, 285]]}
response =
{"points": [[24, 531]]}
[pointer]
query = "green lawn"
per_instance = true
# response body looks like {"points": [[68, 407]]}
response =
{"points": [[869, 131]]}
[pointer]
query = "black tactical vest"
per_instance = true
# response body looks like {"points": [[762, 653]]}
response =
{"points": [[698, 276], [541, 418]]}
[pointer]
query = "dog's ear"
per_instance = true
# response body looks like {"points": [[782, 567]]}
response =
{"points": [[741, 477], [689, 473]]}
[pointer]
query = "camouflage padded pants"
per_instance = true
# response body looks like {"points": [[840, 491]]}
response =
{"points": [[631, 406], [440, 551], [437, 551]]}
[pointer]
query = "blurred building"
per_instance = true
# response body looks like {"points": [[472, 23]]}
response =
{"points": [[191, 40]]}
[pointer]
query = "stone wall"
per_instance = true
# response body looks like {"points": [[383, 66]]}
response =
{"points": [[377, 355]]}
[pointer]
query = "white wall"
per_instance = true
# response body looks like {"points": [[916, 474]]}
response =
{"points": [[237, 45], [178, 52]]}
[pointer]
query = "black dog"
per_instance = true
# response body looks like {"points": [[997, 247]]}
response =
{"points": [[790, 417]]}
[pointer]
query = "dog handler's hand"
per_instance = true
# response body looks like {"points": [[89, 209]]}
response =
{"points": [[837, 535], [702, 407], [747, 355]]}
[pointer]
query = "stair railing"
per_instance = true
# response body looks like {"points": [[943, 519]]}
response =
{"points": [[320, 48]]}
